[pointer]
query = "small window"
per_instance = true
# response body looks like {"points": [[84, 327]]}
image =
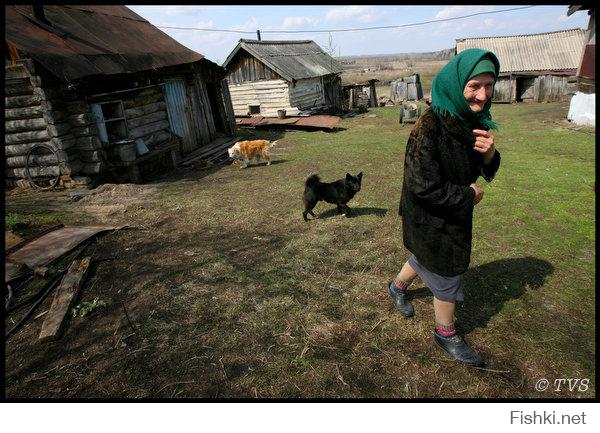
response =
{"points": [[110, 119], [253, 109]]}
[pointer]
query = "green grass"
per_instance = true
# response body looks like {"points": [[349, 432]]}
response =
{"points": [[10, 220], [252, 301]]}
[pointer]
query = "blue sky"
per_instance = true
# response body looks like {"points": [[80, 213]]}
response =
{"points": [[216, 46]]}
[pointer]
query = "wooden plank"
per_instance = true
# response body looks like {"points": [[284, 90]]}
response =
{"points": [[63, 299], [148, 129], [134, 112], [173, 146], [43, 250], [206, 151], [198, 116], [146, 119], [228, 105], [207, 109]]}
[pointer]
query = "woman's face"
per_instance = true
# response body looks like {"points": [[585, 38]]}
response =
{"points": [[478, 90]]}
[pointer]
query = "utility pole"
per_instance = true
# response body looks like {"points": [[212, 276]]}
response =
{"points": [[258, 34]]}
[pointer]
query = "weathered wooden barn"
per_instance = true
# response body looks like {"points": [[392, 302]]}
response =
{"points": [[295, 76], [92, 80], [406, 89], [533, 68]]}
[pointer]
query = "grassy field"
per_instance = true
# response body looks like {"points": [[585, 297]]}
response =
{"points": [[427, 70], [230, 294]]}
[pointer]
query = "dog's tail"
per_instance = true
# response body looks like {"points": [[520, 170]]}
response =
{"points": [[312, 180]]}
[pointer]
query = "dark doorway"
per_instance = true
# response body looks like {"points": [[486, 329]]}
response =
{"points": [[217, 108]]}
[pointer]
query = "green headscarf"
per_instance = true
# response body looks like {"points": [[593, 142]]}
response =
{"points": [[447, 98]]}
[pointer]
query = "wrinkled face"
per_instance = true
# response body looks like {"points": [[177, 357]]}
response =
{"points": [[478, 90]]}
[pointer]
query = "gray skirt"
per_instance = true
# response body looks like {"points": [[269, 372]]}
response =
{"points": [[449, 289]]}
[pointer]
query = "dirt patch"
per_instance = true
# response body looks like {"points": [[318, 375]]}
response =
{"points": [[114, 199]]}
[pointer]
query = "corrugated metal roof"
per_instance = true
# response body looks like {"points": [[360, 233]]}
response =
{"points": [[293, 60], [93, 40], [537, 52]]}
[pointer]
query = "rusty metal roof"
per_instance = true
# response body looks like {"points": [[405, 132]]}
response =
{"points": [[93, 40], [293, 60], [552, 51], [318, 121]]}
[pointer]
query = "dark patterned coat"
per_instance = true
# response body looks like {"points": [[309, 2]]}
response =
{"points": [[437, 203]]}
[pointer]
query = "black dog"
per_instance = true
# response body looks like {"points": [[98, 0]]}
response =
{"points": [[339, 192]]}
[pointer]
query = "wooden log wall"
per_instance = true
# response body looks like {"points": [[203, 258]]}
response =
{"points": [[271, 95], [38, 110], [32, 116]]}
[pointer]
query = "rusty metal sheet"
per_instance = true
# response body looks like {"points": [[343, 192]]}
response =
{"points": [[93, 40], [278, 121], [316, 121], [319, 121], [248, 121], [43, 250]]}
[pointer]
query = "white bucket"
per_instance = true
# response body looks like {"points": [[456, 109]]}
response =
{"points": [[140, 147]]}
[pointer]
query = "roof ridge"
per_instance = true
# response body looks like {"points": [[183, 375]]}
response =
{"points": [[254, 41], [525, 34]]}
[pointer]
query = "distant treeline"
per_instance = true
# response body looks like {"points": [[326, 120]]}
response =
{"points": [[435, 55]]}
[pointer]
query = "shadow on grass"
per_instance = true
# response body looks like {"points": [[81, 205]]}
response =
{"points": [[488, 287], [264, 164], [355, 212]]}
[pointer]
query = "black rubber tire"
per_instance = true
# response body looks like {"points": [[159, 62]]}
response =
{"points": [[41, 157]]}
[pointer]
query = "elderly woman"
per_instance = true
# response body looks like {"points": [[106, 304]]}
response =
{"points": [[448, 149]]}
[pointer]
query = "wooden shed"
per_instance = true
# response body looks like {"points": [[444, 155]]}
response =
{"points": [[533, 68], [295, 76], [406, 89], [360, 94], [90, 80]]}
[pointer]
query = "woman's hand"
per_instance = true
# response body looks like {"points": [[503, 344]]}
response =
{"points": [[484, 144], [478, 193]]}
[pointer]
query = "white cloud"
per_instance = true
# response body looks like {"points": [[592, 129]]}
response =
{"points": [[565, 19], [362, 14], [489, 22], [248, 26], [298, 22], [204, 24], [176, 10], [457, 11]]}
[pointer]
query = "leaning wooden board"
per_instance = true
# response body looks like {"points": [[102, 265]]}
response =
{"points": [[63, 299], [45, 249]]}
